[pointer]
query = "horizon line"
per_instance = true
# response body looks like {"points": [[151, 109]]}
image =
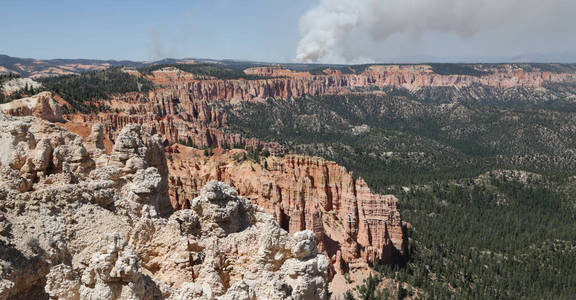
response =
{"points": [[397, 61]]}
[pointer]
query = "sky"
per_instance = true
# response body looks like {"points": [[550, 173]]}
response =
{"points": [[265, 30], [335, 31]]}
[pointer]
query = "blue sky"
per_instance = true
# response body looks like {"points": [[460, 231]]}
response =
{"points": [[268, 30], [143, 30]]}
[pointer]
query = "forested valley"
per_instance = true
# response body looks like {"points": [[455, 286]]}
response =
{"points": [[487, 185]]}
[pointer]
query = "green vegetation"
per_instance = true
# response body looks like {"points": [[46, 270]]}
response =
{"points": [[7, 77], [472, 236], [253, 154], [240, 157], [445, 68], [208, 151], [368, 290], [212, 70], [408, 138], [555, 68], [499, 239], [457, 69], [85, 91], [188, 142], [4, 78], [438, 68], [27, 91]]}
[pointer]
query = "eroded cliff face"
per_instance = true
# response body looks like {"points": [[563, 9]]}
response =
{"points": [[181, 108], [172, 113], [78, 223], [353, 226], [275, 71], [41, 105], [287, 84]]}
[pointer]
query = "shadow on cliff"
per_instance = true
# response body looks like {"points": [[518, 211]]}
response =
{"points": [[27, 274]]}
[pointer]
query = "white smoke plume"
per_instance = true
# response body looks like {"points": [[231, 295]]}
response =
{"points": [[344, 30]]}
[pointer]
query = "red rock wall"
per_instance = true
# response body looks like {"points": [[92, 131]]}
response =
{"points": [[299, 84], [176, 115], [352, 225], [181, 108]]}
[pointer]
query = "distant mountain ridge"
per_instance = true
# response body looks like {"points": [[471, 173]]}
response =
{"points": [[30, 67], [37, 68]]}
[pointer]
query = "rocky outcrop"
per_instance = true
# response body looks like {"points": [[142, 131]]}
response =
{"points": [[222, 248], [114, 272], [225, 247], [54, 201], [351, 224], [172, 75], [44, 154], [42, 106], [173, 114], [421, 76], [18, 84], [289, 84], [77, 223], [181, 107], [275, 71], [144, 161], [520, 176]]}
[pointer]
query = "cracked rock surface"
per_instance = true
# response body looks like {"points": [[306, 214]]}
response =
{"points": [[77, 223]]}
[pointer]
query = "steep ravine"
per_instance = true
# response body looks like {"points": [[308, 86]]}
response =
{"points": [[353, 226], [78, 223]]}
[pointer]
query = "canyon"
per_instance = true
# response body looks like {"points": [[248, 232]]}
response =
{"points": [[289, 84], [164, 170], [181, 106], [353, 227], [78, 223]]}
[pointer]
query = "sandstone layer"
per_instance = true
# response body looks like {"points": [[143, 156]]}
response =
{"points": [[41, 105], [290, 84], [352, 225], [173, 113], [181, 106], [78, 223], [18, 84]]}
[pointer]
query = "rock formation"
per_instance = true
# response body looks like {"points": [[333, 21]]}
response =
{"points": [[77, 223], [227, 246], [289, 84], [175, 115], [181, 108], [18, 84], [275, 72], [86, 215], [42, 106], [351, 225]]}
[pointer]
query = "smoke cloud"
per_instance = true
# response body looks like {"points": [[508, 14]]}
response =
{"points": [[355, 30], [160, 47]]}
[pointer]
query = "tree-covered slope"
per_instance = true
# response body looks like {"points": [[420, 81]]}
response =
{"points": [[477, 231]]}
